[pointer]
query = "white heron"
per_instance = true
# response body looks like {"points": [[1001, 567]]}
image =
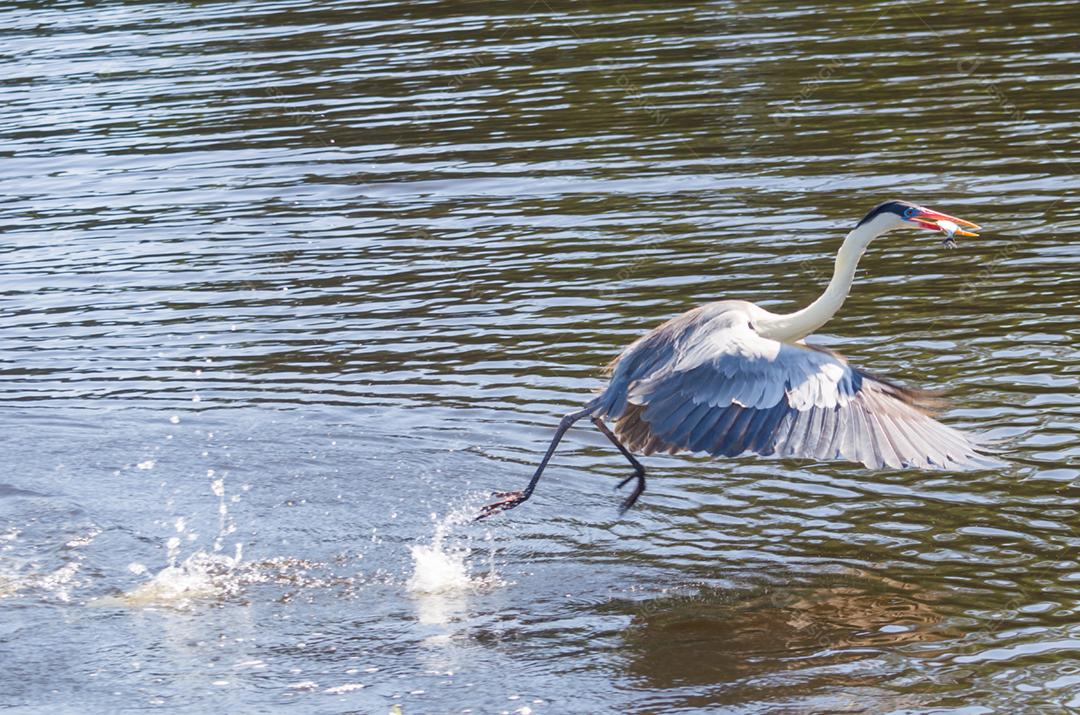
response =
{"points": [[731, 377]]}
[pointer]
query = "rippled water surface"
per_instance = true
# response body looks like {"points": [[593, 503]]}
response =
{"points": [[289, 288]]}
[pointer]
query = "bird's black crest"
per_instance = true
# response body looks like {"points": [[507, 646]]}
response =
{"points": [[897, 207]]}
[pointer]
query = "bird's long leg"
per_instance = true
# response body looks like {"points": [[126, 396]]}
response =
{"points": [[509, 500], [639, 470]]}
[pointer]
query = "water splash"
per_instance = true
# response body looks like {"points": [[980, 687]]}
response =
{"points": [[216, 575], [55, 584], [201, 575], [444, 565], [21, 572], [437, 569]]}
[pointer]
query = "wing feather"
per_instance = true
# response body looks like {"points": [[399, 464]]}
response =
{"points": [[877, 454], [882, 431], [681, 435], [705, 430], [735, 441], [720, 441], [849, 440], [826, 433]]}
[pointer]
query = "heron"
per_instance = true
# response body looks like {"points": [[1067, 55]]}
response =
{"points": [[730, 377]]}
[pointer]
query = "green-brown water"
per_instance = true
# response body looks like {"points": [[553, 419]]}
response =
{"points": [[314, 279]]}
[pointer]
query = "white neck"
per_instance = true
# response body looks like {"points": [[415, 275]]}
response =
{"points": [[796, 326]]}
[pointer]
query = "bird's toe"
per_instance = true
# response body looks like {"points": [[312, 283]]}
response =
{"points": [[506, 500]]}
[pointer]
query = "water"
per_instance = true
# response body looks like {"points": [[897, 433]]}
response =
{"points": [[288, 290]]}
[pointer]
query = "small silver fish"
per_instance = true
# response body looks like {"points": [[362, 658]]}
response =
{"points": [[949, 229]]}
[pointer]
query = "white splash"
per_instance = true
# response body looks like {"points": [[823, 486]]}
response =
{"points": [[438, 568], [441, 579], [19, 574], [201, 575]]}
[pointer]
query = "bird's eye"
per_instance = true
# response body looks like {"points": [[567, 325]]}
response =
{"points": [[910, 211]]}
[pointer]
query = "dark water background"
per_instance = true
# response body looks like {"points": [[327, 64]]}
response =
{"points": [[312, 279]]}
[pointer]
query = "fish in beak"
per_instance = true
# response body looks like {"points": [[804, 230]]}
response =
{"points": [[937, 221]]}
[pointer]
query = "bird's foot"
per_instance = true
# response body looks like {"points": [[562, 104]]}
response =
{"points": [[639, 489], [506, 500]]}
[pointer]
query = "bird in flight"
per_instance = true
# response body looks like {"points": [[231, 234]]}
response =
{"points": [[730, 377]]}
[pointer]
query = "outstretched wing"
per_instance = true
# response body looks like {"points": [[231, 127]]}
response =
{"points": [[723, 389]]}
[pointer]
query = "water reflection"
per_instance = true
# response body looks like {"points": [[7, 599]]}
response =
{"points": [[720, 637]]}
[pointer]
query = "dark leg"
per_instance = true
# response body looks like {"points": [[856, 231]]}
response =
{"points": [[509, 500], [639, 471]]}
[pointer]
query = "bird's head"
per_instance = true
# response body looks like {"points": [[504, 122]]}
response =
{"points": [[896, 214]]}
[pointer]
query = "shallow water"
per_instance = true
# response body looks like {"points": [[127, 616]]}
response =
{"points": [[287, 292]]}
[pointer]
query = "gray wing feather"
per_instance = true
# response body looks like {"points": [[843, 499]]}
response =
{"points": [[706, 382]]}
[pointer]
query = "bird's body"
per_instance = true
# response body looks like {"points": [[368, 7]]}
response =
{"points": [[707, 382], [730, 377]]}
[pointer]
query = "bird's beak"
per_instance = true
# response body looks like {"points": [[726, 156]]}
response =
{"points": [[928, 218]]}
